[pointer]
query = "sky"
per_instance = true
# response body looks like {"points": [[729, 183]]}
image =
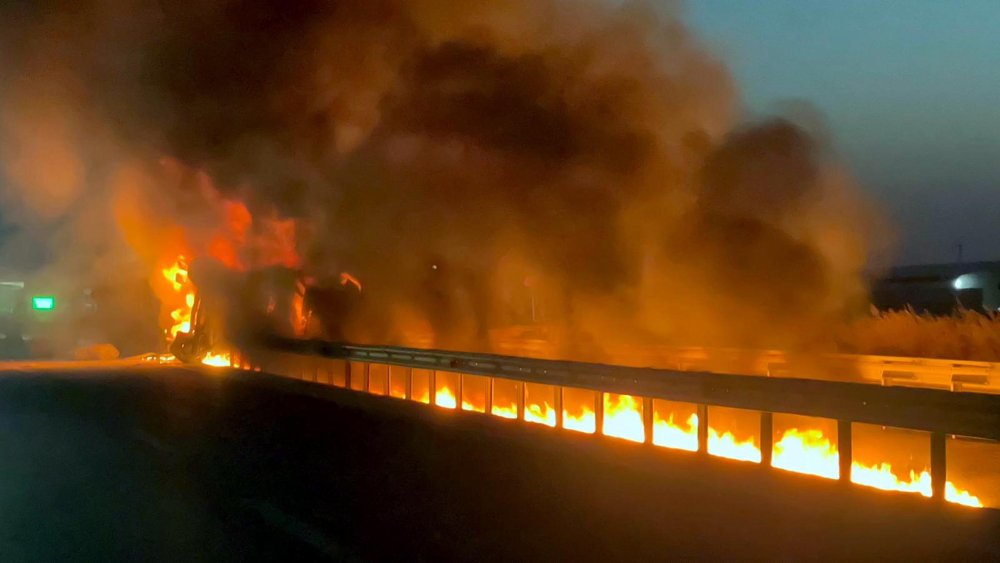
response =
{"points": [[910, 90]]}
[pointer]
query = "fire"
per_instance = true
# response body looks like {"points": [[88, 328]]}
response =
{"points": [[180, 317], [585, 421], [812, 453], [726, 445], [469, 406], [881, 476], [444, 397], [509, 411], [210, 224], [623, 417], [214, 359], [806, 452], [958, 496], [542, 414], [669, 434]]}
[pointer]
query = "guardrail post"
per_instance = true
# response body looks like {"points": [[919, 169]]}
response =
{"points": [[347, 374], [703, 429], [766, 438], [458, 392], [559, 406], [489, 395], [367, 376], [520, 399], [647, 419], [432, 387], [939, 465], [598, 412], [409, 383], [845, 449]]}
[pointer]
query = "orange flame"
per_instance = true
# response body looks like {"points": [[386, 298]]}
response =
{"points": [[509, 411], [445, 397], [803, 451], [812, 453], [180, 317], [214, 359], [623, 417], [806, 452], [668, 434], [585, 420], [726, 445], [540, 413]]}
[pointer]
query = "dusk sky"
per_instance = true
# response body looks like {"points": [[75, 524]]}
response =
{"points": [[910, 90]]}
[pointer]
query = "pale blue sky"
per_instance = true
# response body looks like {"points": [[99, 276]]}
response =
{"points": [[909, 88]]}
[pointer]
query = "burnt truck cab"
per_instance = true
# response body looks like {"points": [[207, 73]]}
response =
{"points": [[238, 308]]}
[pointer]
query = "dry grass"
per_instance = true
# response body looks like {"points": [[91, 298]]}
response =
{"points": [[966, 335]]}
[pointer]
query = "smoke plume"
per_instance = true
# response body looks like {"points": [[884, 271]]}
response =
{"points": [[479, 165]]}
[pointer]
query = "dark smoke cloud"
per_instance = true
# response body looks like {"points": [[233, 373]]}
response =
{"points": [[452, 154]]}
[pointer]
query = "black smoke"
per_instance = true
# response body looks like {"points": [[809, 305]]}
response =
{"points": [[448, 152]]}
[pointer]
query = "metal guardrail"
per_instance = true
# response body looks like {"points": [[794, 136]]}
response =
{"points": [[967, 414], [939, 412], [933, 373]]}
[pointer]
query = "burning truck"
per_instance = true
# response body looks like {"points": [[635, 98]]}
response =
{"points": [[226, 306]]}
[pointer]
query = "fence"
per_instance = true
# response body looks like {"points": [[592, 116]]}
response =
{"points": [[680, 409]]}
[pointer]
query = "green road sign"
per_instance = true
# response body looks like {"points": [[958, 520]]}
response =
{"points": [[43, 302]]}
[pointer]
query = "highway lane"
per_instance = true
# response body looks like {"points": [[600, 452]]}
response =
{"points": [[124, 462]]}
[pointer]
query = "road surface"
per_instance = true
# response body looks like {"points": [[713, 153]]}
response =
{"points": [[114, 462]]}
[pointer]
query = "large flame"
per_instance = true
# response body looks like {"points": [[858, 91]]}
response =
{"points": [[809, 451], [208, 225], [176, 275], [806, 451]]}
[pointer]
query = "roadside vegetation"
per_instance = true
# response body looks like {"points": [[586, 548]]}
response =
{"points": [[965, 335]]}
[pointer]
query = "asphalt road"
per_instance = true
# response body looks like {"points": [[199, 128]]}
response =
{"points": [[125, 463]]}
